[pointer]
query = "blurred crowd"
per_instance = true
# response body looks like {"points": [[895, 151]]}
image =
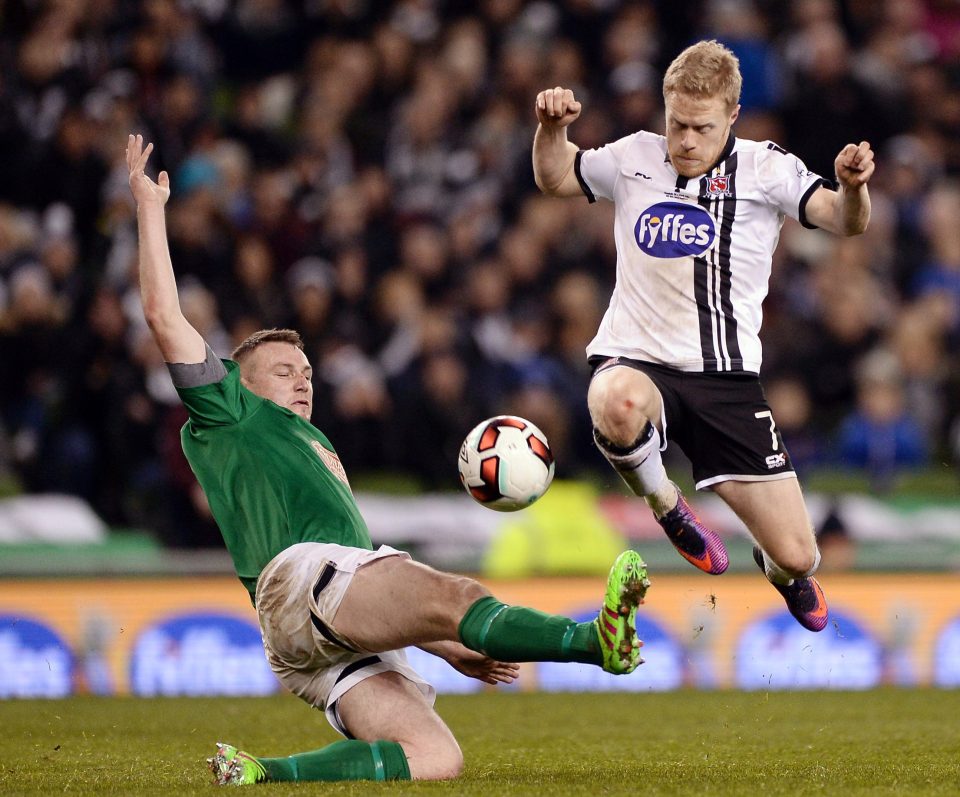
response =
{"points": [[360, 171]]}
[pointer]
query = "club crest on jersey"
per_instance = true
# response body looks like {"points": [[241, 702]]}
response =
{"points": [[718, 186], [674, 229], [331, 460]]}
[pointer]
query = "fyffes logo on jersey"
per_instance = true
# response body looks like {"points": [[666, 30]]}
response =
{"points": [[674, 229]]}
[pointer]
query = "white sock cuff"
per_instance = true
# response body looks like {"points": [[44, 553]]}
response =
{"points": [[641, 468], [775, 573], [778, 575], [816, 564], [648, 441]]}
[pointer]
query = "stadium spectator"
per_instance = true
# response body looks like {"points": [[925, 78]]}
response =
{"points": [[34, 362], [880, 436], [919, 341], [837, 547], [940, 275], [846, 108], [793, 406], [849, 315], [259, 292]]}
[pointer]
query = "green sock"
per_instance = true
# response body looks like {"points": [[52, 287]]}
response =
{"points": [[350, 759], [516, 633]]}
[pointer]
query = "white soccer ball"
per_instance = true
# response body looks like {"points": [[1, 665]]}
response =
{"points": [[506, 463]]}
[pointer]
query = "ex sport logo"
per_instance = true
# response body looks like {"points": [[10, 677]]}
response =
{"points": [[776, 461]]}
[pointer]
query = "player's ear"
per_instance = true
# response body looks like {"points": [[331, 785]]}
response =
{"points": [[735, 114]]}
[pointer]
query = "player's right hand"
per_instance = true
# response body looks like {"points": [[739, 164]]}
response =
{"points": [[557, 107], [143, 188]]}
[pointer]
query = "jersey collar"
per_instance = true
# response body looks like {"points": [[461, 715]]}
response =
{"points": [[725, 152]]}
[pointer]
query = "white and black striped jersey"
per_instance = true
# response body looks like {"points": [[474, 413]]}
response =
{"points": [[693, 256]]}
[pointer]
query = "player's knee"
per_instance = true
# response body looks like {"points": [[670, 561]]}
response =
{"points": [[448, 763], [618, 420], [434, 759], [453, 597], [798, 561], [618, 409], [468, 591]]}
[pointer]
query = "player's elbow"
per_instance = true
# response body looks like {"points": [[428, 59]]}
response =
{"points": [[158, 316], [165, 324], [559, 188], [850, 229], [857, 228], [545, 186], [553, 177]]}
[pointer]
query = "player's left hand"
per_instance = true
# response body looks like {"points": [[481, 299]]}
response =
{"points": [[144, 189], [854, 165], [483, 668]]}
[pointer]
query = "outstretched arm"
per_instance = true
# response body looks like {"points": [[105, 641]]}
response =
{"points": [[179, 342], [846, 211], [553, 154]]}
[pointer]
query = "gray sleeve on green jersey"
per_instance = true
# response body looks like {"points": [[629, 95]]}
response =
{"points": [[209, 372]]}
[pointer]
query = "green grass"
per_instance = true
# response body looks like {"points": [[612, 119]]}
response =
{"points": [[882, 742]]}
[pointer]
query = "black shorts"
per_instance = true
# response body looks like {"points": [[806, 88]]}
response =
{"points": [[722, 422]]}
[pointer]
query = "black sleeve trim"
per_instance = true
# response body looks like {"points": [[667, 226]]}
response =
{"points": [[209, 372], [806, 198], [583, 185]]}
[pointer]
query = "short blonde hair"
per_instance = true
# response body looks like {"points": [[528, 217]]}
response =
{"points": [[705, 69]]}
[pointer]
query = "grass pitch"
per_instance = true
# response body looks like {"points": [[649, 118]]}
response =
{"points": [[882, 742]]}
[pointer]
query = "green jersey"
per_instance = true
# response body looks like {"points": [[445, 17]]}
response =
{"points": [[272, 478]]}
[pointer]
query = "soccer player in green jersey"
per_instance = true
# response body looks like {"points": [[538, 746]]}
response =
{"points": [[335, 614]]}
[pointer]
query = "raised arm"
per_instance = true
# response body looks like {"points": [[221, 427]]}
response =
{"points": [[553, 154], [178, 340], [846, 211]]}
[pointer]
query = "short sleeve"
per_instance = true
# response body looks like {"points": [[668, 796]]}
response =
{"points": [[598, 169], [221, 403], [786, 182]]}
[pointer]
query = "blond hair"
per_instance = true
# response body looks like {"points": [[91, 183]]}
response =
{"points": [[704, 70], [266, 336]]}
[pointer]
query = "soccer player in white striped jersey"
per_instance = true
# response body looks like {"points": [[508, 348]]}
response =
{"points": [[677, 357]]}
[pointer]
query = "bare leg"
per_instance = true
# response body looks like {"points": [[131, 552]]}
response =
{"points": [[388, 706], [776, 516], [425, 605]]}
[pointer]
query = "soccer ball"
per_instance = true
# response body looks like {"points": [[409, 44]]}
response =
{"points": [[506, 463]]}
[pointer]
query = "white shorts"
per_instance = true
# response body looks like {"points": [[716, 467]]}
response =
{"points": [[298, 594]]}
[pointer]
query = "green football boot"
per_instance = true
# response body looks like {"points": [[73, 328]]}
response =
{"points": [[233, 767], [617, 622]]}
